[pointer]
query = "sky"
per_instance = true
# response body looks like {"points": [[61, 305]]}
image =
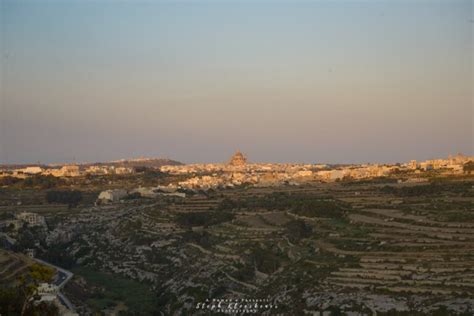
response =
{"points": [[282, 81]]}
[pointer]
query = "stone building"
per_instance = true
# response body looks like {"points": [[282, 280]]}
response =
{"points": [[238, 159], [32, 219], [110, 196]]}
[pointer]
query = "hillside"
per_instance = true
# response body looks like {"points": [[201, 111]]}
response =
{"points": [[139, 162]]}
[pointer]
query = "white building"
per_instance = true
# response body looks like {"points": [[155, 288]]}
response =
{"points": [[65, 171], [32, 170], [303, 174], [47, 292], [123, 170], [32, 219], [110, 196], [332, 175], [30, 252]]}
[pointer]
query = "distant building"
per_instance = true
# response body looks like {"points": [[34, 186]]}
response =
{"points": [[331, 175], [65, 171], [459, 159], [238, 159], [47, 288], [110, 196], [303, 174], [30, 252], [96, 170], [70, 171], [32, 219], [32, 170], [426, 166], [47, 292], [123, 170], [413, 164]]}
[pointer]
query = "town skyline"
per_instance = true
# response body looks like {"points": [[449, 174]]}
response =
{"points": [[224, 161]]}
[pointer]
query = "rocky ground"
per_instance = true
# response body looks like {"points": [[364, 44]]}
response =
{"points": [[357, 247]]}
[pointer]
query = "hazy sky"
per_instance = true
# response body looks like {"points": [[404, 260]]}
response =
{"points": [[283, 81]]}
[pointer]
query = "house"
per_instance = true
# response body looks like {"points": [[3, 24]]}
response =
{"points": [[30, 253], [47, 292], [32, 219]]}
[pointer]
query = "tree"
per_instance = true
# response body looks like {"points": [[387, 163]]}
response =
{"points": [[28, 285], [297, 230], [72, 198], [19, 300]]}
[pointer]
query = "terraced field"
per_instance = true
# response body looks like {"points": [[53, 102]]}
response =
{"points": [[12, 265], [345, 246], [382, 243]]}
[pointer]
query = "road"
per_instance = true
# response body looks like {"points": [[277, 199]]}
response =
{"points": [[62, 277]]}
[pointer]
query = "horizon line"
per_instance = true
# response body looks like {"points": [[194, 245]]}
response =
{"points": [[69, 162]]}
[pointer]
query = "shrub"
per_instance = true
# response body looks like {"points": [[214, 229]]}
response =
{"points": [[297, 230], [72, 198], [302, 204], [203, 218]]}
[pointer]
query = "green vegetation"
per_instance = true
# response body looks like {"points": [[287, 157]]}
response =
{"points": [[203, 218], [433, 188], [314, 238], [20, 300], [58, 255], [440, 311], [149, 176], [112, 290], [8, 180], [343, 227], [71, 198], [301, 204], [26, 238], [36, 181], [244, 272], [265, 260], [204, 238], [457, 216], [376, 180], [297, 230]]}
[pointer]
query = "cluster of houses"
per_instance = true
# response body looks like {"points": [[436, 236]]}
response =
{"points": [[454, 163], [66, 171], [238, 172]]}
